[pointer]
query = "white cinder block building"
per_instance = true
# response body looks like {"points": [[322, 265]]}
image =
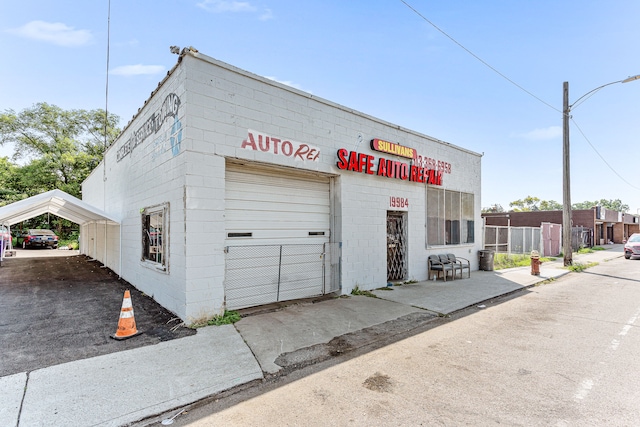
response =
{"points": [[233, 190]]}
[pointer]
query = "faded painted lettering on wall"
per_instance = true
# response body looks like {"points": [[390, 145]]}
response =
{"points": [[169, 108]]}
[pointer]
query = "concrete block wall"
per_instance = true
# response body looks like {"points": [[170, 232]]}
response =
{"points": [[151, 174], [224, 103], [219, 105]]}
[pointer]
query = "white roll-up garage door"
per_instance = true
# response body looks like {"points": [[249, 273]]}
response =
{"points": [[276, 225]]}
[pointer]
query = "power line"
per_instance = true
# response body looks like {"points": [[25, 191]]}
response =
{"points": [[483, 62], [578, 102], [599, 155]]}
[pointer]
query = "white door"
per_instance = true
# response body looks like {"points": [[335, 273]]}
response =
{"points": [[276, 225]]}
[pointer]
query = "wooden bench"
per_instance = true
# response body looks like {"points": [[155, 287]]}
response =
{"points": [[444, 264]]}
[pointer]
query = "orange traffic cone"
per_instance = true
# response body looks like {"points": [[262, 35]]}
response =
{"points": [[127, 323]]}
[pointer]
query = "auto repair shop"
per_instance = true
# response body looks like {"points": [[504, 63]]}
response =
{"points": [[232, 190]]}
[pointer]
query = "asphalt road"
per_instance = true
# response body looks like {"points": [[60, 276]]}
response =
{"points": [[57, 306], [564, 354]]}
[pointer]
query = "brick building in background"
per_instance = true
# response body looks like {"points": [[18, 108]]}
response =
{"points": [[606, 225]]}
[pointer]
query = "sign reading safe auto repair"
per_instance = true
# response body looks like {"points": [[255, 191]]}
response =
{"points": [[365, 163]]}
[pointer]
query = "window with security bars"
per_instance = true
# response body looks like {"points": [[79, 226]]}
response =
{"points": [[450, 217], [154, 234]]}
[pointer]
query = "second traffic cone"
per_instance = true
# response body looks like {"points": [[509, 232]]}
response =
{"points": [[127, 323]]}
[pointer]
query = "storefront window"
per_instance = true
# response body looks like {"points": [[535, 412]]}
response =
{"points": [[435, 216], [450, 217], [154, 238]]}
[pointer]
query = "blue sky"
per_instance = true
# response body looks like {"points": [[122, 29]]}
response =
{"points": [[378, 57]]}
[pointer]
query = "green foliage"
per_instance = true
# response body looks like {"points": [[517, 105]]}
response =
{"points": [[502, 261], [61, 148], [228, 318], [590, 250], [358, 291], [73, 244], [58, 149], [530, 203], [495, 208], [615, 205], [578, 267], [550, 205]]}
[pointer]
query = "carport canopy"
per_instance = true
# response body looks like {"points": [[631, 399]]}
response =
{"points": [[56, 202]]}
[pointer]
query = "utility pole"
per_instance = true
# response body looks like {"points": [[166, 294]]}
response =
{"points": [[566, 179]]}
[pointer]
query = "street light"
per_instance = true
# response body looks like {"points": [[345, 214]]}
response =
{"points": [[566, 185]]}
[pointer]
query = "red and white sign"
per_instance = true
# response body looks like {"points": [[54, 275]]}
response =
{"points": [[365, 163], [398, 202], [258, 141]]}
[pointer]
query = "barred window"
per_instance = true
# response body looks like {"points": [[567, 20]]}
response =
{"points": [[450, 217], [154, 234]]}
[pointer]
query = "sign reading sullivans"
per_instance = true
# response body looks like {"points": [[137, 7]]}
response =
{"points": [[365, 163], [393, 148]]}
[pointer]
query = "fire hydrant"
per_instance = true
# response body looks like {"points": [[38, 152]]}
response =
{"points": [[535, 263]]}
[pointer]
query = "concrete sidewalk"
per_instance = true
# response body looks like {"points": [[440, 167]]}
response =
{"points": [[124, 387]]}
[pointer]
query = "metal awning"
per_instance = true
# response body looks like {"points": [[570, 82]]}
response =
{"points": [[56, 202]]}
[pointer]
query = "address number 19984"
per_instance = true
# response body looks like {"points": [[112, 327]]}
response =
{"points": [[398, 202]]}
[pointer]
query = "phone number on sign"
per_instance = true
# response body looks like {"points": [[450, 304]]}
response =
{"points": [[398, 202]]}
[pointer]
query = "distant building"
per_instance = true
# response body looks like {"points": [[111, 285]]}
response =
{"points": [[606, 225]]}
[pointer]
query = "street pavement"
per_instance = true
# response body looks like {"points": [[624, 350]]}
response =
{"points": [[128, 386]]}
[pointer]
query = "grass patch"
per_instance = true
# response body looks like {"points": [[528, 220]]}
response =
{"points": [[591, 250], [578, 266], [73, 244], [358, 291], [228, 318], [502, 261]]}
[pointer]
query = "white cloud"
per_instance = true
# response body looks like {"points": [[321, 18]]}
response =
{"points": [[267, 15], [221, 6], [54, 32], [137, 70], [552, 132]]}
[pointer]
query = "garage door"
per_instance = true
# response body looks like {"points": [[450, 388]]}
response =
{"points": [[277, 227]]}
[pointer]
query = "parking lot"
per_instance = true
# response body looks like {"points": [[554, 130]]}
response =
{"points": [[58, 306]]}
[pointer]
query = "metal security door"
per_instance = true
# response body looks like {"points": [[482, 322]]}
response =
{"points": [[396, 245]]}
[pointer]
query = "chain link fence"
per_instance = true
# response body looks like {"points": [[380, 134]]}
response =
{"points": [[257, 275]]}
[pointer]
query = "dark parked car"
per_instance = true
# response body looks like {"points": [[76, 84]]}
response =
{"points": [[632, 246], [38, 238]]}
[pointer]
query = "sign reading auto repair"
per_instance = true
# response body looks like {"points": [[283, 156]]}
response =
{"points": [[422, 169], [365, 163], [258, 141]]}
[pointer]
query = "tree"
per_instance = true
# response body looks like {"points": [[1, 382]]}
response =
{"points": [[63, 146], [495, 208], [8, 177], [615, 205], [550, 205], [527, 204]]}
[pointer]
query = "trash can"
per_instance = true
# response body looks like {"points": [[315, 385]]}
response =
{"points": [[535, 263], [486, 260]]}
